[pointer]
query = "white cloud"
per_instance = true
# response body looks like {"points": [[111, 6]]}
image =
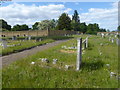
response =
{"points": [[107, 18], [24, 14]]}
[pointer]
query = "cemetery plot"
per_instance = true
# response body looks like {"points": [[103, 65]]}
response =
{"points": [[14, 45], [55, 69]]}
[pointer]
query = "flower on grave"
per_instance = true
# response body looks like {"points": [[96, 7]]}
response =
{"points": [[101, 44], [100, 53], [108, 65], [44, 60], [112, 74], [67, 66], [54, 61], [32, 62]]}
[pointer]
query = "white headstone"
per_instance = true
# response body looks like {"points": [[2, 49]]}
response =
{"points": [[4, 44], [112, 40]]}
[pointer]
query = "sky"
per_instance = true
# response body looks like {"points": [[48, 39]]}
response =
{"points": [[103, 13]]}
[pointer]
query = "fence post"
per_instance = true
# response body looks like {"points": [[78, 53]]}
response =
{"points": [[79, 53]]}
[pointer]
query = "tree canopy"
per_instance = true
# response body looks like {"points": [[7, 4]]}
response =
{"points": [[4, 25], [64, 22], [18, 27]]}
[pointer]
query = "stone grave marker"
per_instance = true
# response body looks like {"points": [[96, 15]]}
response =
{"points": [[29, 37], [112, 40], [117, 41], [79, 53], [4, 44], [14, 38]]}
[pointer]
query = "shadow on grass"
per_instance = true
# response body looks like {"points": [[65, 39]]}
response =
{"points": [[90, 66]]}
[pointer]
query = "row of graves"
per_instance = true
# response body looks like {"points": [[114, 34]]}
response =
{"points": [[78, 48], [5, 43], [113, 36]]}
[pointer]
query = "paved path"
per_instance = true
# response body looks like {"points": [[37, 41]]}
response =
{"points": [[6, 60]]}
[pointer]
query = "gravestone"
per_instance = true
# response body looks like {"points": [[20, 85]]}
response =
{"points": [[109, 38], [29, 37], [79, 53], [14, 38], [117, 41], [4, 44], [112, 40], [103, 36]]}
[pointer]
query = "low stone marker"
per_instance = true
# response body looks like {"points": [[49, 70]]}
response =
{"points": [[55, 61]]}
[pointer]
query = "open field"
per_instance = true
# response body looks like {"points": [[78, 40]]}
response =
{"points": [[99, 60]]}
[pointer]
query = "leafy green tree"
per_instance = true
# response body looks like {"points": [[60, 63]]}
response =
{"points": [[18, 27], [83, 27], [93, 28], [118, 28], [64, 22], [75, 21], [4, 25], [35, 26], [102, 30], [46, 24]]}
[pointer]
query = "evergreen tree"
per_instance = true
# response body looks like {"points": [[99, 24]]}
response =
{"points": [[64, 22], [75, 21], [75, 17]]}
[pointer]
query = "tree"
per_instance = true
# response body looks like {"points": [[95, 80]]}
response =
{"points": [[35, 26], [118, 28], [46, 24], [75, 17], [64, 22], [83, 27], [4, 25], [20, 27], [75, 21], [93, 28], [102, 30]]}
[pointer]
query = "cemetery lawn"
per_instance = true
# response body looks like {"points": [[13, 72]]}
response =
{"points": [[98, 61], [26, 44]]}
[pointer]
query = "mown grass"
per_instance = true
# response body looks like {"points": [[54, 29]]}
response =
{"points": [[94, 72]]}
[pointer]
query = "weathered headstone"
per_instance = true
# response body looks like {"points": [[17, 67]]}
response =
{"points": [[4, 44], [112, 40], [118, 41], [109, 38], [14, 38], [29, 37], [103, 35], [79, 53]]}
